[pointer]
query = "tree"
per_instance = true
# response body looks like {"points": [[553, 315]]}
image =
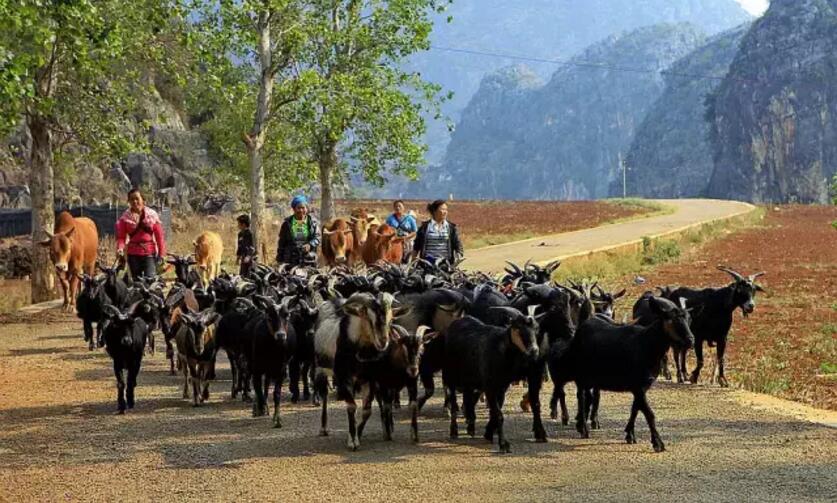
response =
{"points": [[65, 69], [249, 50], [364, 112]]}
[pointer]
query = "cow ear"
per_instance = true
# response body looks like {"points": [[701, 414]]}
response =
{"points": [[69, 233], [45, 243]]}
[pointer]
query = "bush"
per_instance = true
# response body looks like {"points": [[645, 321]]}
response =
{"points": [[659, 252]]}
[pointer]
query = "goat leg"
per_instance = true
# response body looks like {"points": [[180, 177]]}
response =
{"points": [[645, 407], [353, 442], [719, 356], [454, 410], [699, 357], [534, 383], [293, 379], [412, 393], [321, 391], [133, 372], [367, 393], [581, 416], [120, 387], [495, 410], [469, 406], [594, 409], [630, 435], [277, 392]]}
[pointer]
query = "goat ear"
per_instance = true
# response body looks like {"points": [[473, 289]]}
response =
{"points": [[354, 309], [760, 289], [400, 311], [619, 294]]}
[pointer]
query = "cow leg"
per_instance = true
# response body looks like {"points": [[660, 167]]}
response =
{"points": [[293, 379], [645, 407], [699, 356], [719, 357], [630, 436], [534, 382], [277, 396], [120, 387]]}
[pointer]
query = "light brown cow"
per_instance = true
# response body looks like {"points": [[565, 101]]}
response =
{"points": [[360, 221], [338, 243], [208, 251], [72, 248], [383, 244]]}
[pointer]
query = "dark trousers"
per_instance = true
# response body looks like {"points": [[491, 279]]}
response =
{"points": [[246, 265], [140, 265]]}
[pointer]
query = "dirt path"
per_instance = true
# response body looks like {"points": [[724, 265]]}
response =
{"points": [[688, 212], [60, 440]]}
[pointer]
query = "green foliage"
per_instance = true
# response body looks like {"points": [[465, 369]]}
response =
{"points": [[659, 251], [834, 189], [362, 101]]}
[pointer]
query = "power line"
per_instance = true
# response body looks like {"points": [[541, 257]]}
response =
{"points": [[584, 64]]}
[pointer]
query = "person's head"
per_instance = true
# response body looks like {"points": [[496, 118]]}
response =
{"points": [[438, 210], [300, 206], [135, 200], [243, 221], [398, 207]]}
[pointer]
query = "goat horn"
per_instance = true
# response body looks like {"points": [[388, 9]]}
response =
{"points": [[516, 269], [732, 273], [531, 310], [756, 275]]}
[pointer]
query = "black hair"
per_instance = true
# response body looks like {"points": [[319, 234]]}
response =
{"points": [[435, 205], [244, 219], [395, 203], [134, 190]]}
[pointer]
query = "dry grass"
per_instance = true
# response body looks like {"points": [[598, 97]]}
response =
{"points": [[14, 294]]}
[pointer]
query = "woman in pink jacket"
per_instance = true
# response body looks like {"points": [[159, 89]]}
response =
{"points": [[139, 236]]}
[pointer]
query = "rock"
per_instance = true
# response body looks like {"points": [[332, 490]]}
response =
{"points": [[774, 117], [216, 204], [15, 261], [15, 196]]}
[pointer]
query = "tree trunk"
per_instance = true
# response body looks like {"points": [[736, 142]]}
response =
{"points": [[255, 139], [43, 212], [328, 162]]}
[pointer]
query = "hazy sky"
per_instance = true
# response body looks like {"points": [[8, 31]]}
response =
{"points": [[755, 7]]}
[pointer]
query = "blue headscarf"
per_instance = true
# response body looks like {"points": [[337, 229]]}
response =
{"points": [[297, 200]]}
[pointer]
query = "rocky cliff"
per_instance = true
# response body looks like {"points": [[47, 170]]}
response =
{"points": [[774, 117], [562, 140], [671, 155], [552, 29]]}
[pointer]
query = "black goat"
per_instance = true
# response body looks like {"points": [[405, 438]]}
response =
{"points": [[398, 369], [124, 338], [626, 358], [90, 308], [713, 316], [273, 341], [115, 287], [183, 271], [605, 302], [301, 366], [486, 358], [230, 336]]}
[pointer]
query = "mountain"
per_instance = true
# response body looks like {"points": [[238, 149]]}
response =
{"points": [[774, 117], [548, 29], [562, 140], [671, 155]]}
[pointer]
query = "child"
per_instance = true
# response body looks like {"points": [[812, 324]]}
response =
{"points": [[245, 251]]}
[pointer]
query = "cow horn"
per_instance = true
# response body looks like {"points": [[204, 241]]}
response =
{"points": [[327, 232], [732, 273]]}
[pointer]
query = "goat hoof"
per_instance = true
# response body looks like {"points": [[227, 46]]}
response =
{"points": [[505, 447], [630, 438], [323, 432], [594, 425], [454, 433], [659, 446], [524, 405], [722, 381], [565, 420], [306, 395], [553, 415], [693, 378], [277, 423], [295, 398], [472, 430]]}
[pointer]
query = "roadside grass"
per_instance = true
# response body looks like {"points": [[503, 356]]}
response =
{"points": [[610, 266], [650, 208], [14, 294]]}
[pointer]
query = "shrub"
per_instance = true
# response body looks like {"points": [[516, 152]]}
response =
{"points": [[659, 251]]}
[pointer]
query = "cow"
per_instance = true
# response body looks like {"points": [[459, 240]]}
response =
{"points": [[73, 247], [208, 250], [338, 243], [360, 222], [383, 244]]}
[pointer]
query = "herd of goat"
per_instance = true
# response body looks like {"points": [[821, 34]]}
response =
{"points": [[371, 334]]}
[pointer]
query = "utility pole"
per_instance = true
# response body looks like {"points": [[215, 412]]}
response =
{"points": [[624, 176]]}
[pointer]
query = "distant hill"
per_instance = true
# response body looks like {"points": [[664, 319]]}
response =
{"points": [[552, 29], [774, 117], [671, 154], [520, 139]]}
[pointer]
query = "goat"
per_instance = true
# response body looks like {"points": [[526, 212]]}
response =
{"points": [[183, 271], [124, 338], [195, 339], [303, 319], [480, 357], [398, 369], [230, 336], [348, 334], [116, 289], [90, 308], [626, 358], [605, 302], [273, 342], [713, 316]]}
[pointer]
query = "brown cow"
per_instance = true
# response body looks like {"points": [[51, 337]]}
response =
{"points": [[338, 245], [208, 250], [383, 244], [72, 248], [360, 222]]}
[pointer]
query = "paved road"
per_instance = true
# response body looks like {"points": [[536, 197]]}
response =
{"points": [[688, 213], [60, 440]]}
